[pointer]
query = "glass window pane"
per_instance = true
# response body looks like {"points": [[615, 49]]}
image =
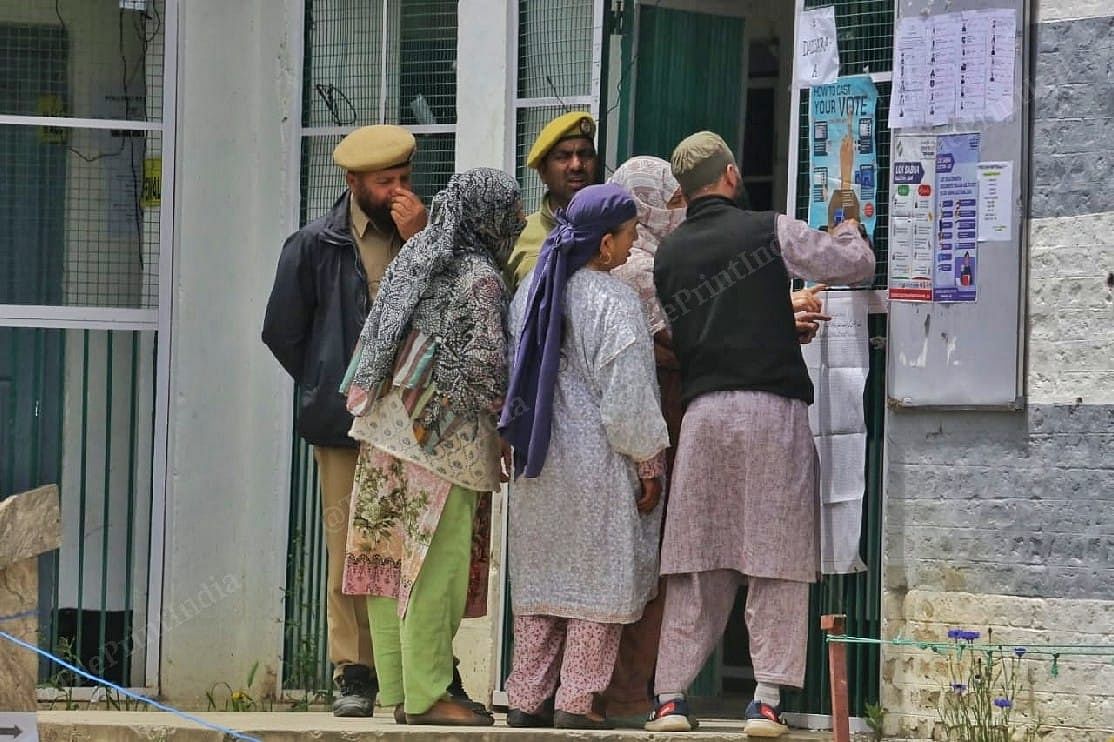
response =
{"points": [[79, 217], [82, 58]]}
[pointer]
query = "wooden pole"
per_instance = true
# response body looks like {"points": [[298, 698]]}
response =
{"points": [[835, 625]]}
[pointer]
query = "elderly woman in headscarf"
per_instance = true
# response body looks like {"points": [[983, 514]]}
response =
{"points": [[425, 385], [584, 421], [661, 209]]}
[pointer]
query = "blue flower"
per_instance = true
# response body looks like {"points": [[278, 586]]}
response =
{"points": [[959, 688], [1003, 703], [1019, 651], [953, 633], [969, 636]]}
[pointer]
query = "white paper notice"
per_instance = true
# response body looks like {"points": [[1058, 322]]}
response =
{"points": [[911, 43], [943, 72], [995, 201], [912, 217], [974, 64], [838, 361], [817, 47], [1002, 41]]}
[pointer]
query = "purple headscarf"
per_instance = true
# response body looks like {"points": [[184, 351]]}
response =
{"points": [[527, 417]]}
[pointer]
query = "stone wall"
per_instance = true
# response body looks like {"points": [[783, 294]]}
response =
{"points": [[1006, 520]]}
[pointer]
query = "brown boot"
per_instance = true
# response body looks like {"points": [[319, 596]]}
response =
{"points": [[451, 713]]}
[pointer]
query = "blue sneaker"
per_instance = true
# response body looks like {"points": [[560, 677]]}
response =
{"points": [[671, 716], [764, 720]]}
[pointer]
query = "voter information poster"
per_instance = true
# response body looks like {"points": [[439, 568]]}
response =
{"points": [[843, 159], [956, 276], [912, 218]]}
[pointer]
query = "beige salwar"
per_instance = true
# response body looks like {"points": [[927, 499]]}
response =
{"points": [[349, 637], [697, 607]]}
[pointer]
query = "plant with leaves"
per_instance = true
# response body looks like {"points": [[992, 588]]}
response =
{"points": [[239, 699], [986, 688]]}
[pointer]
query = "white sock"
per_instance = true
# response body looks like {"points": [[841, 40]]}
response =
{"points": [[768, 693], [667, 697]]}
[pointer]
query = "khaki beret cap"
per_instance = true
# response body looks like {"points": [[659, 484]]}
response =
{"points": [[378, 147], [572, 125]]}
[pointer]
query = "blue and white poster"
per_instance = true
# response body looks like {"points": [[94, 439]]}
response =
{"points": [[843, 160], [956, 276]]}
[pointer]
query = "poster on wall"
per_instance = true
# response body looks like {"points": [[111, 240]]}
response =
{"points": [[912, 218], [843, 161], [956, 275]]}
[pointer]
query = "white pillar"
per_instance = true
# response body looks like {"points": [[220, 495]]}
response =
{"points": [[229, 441], [485, 118]]}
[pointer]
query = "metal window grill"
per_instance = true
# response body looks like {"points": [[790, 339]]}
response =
{"points": [[81, 219], [559, 50], [77, 409], [81, 136], [365, 62], [865, 31]]}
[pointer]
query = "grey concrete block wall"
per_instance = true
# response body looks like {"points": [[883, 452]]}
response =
{"points": [[1014, 503], [1022, 503], [1073, 117]]}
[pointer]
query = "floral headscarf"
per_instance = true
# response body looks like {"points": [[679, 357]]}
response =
{"points": [[477, 214], [650, 180]]}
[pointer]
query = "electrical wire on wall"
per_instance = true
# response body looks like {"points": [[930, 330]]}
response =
{"points": [[128, 76]]}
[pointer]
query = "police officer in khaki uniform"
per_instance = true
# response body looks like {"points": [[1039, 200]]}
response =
{"points": [[328, 275]]}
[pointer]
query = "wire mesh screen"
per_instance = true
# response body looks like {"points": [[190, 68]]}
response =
{"points": [[77, 227], [529, 122], [865, 30], [112, 59], [555, 48], [366, 62], [79, 208], [370, 61], [323, 181]]}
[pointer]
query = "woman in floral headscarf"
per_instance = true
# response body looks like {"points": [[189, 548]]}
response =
{"points": [[661, 209], [427, 380]]}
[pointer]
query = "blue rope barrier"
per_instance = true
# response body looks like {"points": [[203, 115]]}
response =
{"points": [[124, 691], [17, 616]]}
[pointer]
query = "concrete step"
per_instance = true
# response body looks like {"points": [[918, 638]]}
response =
{"points": [[122, 726]]}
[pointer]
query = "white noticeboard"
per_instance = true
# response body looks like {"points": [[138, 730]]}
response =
{"points": [[817, 52], [962, 347]]}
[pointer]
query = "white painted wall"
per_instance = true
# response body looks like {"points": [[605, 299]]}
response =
{"points": [[485, 124], [229, 439]]}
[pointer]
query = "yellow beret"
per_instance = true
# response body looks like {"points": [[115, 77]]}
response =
{"points": [[371, 148], [573, 124]]}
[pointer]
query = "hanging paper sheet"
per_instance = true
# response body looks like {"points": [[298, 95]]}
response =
{"points": [[842, 156]]}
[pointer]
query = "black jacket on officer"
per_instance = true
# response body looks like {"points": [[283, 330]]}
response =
{"points": [[314, 317]]}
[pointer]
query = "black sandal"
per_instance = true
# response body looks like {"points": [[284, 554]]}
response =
{"points": [[565, 720]]}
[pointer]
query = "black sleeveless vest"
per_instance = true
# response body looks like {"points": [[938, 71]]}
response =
{"points": [[725, 289]]}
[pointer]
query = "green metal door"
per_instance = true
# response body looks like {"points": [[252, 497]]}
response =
{"points": [[677, 91]]}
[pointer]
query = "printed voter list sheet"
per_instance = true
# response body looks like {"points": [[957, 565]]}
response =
{"points": [[1002, 48], [911, 43], [838, 361]]}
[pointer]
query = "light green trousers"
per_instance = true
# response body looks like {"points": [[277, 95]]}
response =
{"points": [[414, 655]]}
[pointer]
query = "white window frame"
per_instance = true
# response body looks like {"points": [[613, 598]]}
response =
{"points": [[157, 320]]}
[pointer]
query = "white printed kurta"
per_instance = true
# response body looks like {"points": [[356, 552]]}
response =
{"points": [[578, 547]]}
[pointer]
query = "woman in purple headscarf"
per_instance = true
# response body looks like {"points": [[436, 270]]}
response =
{"points": [[583, 417]]}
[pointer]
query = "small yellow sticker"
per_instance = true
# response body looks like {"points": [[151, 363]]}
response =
{"points": [[152, 182], [51, 105]]}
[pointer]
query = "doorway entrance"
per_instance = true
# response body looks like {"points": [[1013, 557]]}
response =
{"points": [[678, 67]]}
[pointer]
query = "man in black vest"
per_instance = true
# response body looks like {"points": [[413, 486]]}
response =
{"points": [[744, 506]]}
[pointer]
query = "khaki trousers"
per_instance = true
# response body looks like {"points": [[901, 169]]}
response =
{"points": [[349, 635]]}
